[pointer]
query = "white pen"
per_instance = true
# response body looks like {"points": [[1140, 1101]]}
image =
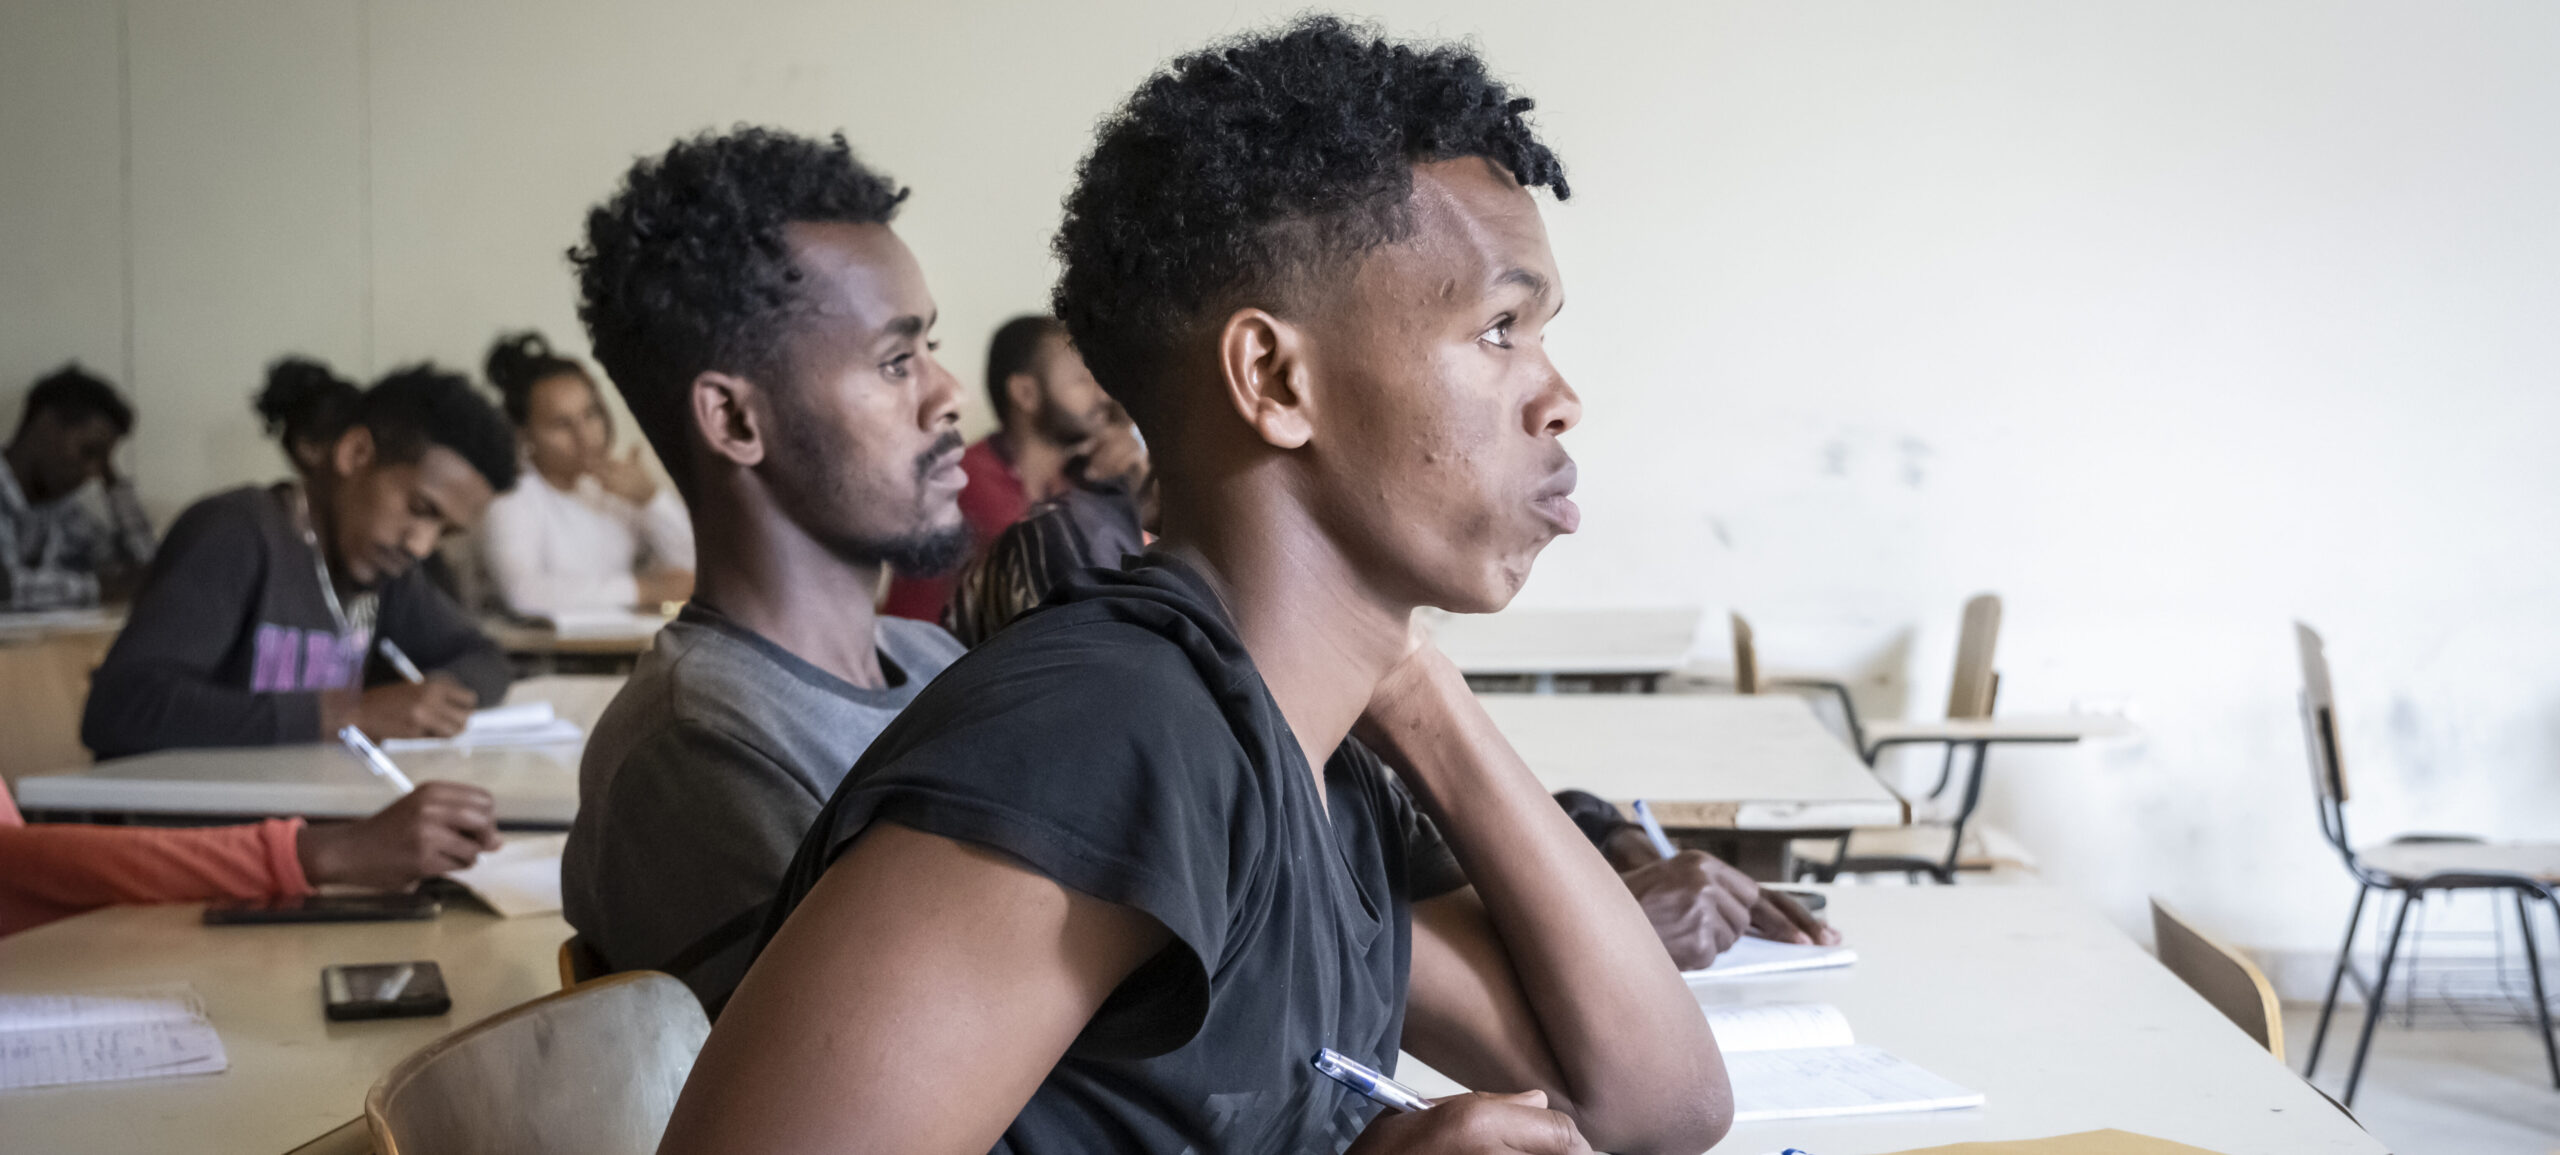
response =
{"points": [[1359, 1076], [374, 759], [391, 652], [1653, 830]]}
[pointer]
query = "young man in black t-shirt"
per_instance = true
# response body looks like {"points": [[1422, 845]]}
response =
{"points": [[1109, 882]]}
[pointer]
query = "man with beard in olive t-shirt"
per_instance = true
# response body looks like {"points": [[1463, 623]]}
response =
{"points": [[1109, 882]]}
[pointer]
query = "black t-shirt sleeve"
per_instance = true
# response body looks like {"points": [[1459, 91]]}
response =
{"points": [[158, 686], [1094, 757]]}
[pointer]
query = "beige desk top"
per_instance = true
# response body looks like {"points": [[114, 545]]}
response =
{"points": [[1759, 762], [294, 1074], [540, 641], [2025, 994], [1567, 641], [534, 785]]}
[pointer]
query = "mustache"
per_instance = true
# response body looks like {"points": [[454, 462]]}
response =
{"points": [[950, 442]]}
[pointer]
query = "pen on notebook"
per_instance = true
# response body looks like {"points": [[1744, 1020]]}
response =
{"points": [[374, 759], [399, 660], [1358, 1076], [1653, 830]]}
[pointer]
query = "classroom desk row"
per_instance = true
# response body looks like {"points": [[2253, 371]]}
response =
{"points": [[1759, 770], [2019, 992]]}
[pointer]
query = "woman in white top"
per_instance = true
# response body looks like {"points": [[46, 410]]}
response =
{"points": [[585, 530]]}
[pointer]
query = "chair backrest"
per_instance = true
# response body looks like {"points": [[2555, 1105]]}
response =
{"points": [[2320, 715], [2225, 977], [580, 962], [1746, 658], [593, 1070], [1969, 694]]}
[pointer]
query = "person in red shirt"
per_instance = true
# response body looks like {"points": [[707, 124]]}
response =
{"points": [[1055, 425]]}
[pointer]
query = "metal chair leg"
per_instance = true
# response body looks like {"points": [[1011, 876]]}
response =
{"points": [[2541, 1004], [2329, 1006], [2381, 996]]}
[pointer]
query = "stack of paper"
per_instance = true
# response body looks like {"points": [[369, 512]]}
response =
{"points": [[606, 624], [1798, 1061], [47, 1040], [519, 879], [1760, 956], [522, 724]]}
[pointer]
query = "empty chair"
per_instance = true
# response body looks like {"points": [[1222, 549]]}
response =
{"points": [[593, 1070], [2410, 865], [2225, 977]]}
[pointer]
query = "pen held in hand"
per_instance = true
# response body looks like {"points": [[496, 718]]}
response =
{"points": [[1359, 1076], [399, 659], [374, 759], [1653, 831]]}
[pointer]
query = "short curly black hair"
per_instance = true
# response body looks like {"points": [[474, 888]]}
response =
{"points": [[1246, 170], [419, 405], [685, 270], [76, 394]]}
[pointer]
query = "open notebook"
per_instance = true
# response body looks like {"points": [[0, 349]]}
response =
{"points": [[1759, 956], [47, 1040], [522, 724], [1799, 1061]]}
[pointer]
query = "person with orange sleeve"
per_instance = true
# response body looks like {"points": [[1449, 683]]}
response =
{"points": [[55, 871]]}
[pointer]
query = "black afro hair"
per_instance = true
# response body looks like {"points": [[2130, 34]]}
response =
{"points": [[1249, 168], [419, 405], [686, 270]]}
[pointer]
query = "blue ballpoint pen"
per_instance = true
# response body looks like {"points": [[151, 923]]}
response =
{"points": [[1653, 830], [1358, 1076]]}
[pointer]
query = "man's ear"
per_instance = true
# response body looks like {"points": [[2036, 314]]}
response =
{"points": [[1022, 394], [724, 417], [1262, 362], [354, 451]]}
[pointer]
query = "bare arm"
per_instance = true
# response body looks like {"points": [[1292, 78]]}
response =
{"points": [[1545, 975], [918, 965]]}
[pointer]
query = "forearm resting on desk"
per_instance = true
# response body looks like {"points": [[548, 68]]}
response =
{"points": [[1546, 974]]}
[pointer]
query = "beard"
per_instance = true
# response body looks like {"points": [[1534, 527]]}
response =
{"points": [[1057, 426], [820, 493]]}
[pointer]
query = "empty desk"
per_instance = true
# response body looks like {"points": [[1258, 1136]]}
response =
{"points": [[1540, 645], [1754, 770]]}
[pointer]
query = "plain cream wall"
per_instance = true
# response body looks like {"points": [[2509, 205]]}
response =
{"points": [[2169, 321]]}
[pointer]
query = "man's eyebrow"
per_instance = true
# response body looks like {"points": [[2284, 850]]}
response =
{"points": [[1525, 278], [909, 327]]}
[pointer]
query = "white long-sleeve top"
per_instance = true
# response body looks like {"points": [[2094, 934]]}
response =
{"points": [[552, 551]]}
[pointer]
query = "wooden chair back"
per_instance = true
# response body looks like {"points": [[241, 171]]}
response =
{"points": [[579, 962], [2225, 977], [593, 1070], [1969, 694], [1746, 658]]}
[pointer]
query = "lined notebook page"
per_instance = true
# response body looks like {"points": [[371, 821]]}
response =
{"points": [[1760, 956], [48, 1040], [1779, 1026]]}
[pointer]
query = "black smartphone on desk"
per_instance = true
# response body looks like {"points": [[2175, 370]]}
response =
{"points": [[397, 907], [383, 991]]}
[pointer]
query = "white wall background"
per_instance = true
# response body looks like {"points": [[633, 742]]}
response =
{"points": [[2170, 321]]}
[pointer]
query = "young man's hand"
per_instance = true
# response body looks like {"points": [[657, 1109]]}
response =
{"points": [[1474, 1125], [1698, 906], [435, 708], [439, 827]]}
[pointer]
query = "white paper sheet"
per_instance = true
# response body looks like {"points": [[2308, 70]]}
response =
{"points": [[1760, 956], [520, 724], [49, 1040], [520, 878], [1779, 1027], [1811, 1083]]}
